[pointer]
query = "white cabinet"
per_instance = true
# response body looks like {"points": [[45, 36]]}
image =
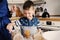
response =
{"points": [[55, 25], [16, 1], [42, 22], [9, 1], [33, 0], [22, 1], [37, 0], [52, 35], [19, 1]]}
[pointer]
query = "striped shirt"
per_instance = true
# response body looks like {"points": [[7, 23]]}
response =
{"points": [[26, 22]]}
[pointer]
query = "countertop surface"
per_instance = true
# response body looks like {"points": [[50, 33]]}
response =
{"points": [[40, 18], [52, 35], [51, 18]]}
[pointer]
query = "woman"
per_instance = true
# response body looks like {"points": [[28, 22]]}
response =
{"points": [[4, 20]]}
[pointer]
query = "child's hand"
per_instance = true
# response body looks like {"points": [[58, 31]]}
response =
{"points": [[10, 27]]}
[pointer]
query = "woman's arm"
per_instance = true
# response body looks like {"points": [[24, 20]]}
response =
{"points": [[4, 21], [4, 11]]}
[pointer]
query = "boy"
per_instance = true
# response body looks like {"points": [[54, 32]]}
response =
{"points": [[28, 12]]}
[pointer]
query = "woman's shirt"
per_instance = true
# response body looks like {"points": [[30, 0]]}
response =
{"points": [[4, 20]]}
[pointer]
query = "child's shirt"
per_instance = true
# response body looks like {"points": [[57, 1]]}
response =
{"points": [[26, 22]]}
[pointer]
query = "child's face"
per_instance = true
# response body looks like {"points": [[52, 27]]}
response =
{"points": [[29, 12]]}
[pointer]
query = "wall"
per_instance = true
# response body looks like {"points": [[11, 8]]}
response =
{"points": [[53, 7]]}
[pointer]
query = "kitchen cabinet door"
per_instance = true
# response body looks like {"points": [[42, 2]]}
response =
{"points": [[9, 1], [33, 0], [19, 1], [52, 35], [37, 0], [56, 23]]}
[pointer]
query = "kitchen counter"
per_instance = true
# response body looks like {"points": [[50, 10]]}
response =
{"points": [[52, 35], [51, 19], [40, 18]]}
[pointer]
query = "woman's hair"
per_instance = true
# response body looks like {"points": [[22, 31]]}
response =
{"points": [[18, 12], [27, 5]]}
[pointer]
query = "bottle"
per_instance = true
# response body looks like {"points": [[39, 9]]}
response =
{"points": [[45, 14]]}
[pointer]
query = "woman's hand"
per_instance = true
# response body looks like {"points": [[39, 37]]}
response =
{"points": [[10, 27], [14, 8]]}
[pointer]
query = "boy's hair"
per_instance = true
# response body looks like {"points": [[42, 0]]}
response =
{"points": [[27, 5]]}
